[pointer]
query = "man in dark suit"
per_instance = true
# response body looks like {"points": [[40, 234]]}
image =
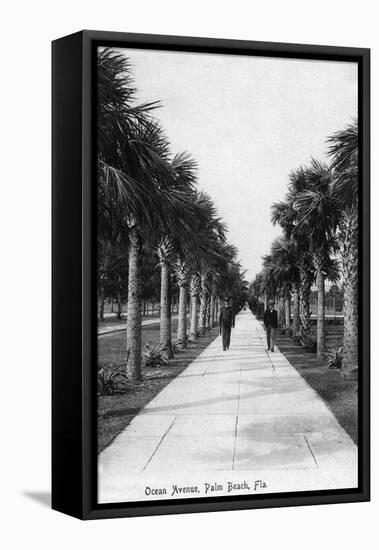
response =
{"points": [[227, 320], [270, 321]]}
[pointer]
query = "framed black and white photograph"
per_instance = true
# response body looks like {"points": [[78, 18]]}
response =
{"points": [[210, 274]]}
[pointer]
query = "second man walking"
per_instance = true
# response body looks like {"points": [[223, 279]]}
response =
{"points": [[270, 321], [227, 320]]}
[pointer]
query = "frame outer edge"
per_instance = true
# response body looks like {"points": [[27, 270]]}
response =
{"points": [[67, 277], [88, 281], [365, 274], [85, 502]]}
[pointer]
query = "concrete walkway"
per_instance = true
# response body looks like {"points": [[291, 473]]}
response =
{"points": [[236, 422]]}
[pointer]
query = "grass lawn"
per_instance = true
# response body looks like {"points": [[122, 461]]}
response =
{"points": [[111, 348], [116, 412], [113, 320], [340, 395]]}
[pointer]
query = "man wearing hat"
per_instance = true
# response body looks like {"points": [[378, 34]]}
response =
{"points": [[270, 321], [227, 320]]}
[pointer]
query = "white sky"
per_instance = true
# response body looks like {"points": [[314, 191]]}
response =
{"points": [[248, 121]]}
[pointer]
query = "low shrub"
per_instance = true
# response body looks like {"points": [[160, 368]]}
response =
{"points": [[309, 342], [154, 356], [334, 356], [297, 340], [111, 381]]}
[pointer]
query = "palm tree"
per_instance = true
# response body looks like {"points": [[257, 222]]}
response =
{"points": [[204, 299], [202, 260], [344, 155], [257, 292], [286, 269], [276, 287], [122, 192], [194, 294], [284, 213], [187, 245], [135, 178], [231, 282], [182, 270], [102, 271], [270, 279], [164, 251], [316, 207], [215, 274]]}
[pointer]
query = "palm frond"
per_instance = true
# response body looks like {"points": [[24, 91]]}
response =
{"points": [[344, 147]]}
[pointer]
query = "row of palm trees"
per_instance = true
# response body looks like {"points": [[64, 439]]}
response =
{"points": [[319, 241], [149, 206]]}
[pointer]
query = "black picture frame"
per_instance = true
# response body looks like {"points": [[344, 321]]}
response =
{"points": [[74, 469]]}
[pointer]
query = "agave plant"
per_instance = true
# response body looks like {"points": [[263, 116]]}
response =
{"points": [[297, 340], [334, 356], [155, 356], [111, 381], [201, 331]]}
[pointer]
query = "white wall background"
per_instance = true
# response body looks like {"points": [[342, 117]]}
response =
{"points": [[27, 29]]}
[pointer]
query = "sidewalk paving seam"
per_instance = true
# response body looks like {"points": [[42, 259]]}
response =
{"points": [[236, 427], [235, 441], [311, 451], [269, 358], [211, 365], [159, 444]]}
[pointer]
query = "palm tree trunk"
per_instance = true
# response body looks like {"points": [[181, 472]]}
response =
{"points": [[287, 311], [208, 314], [194, 305], [296, 312], [203, 305], [219, 308], [182, 317], [320, 313], [213, 310], [165, 317], [134, 321], [101, 303], [119, 303], [202, 313], [351, 294], [281, 312], [305, 293]]}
